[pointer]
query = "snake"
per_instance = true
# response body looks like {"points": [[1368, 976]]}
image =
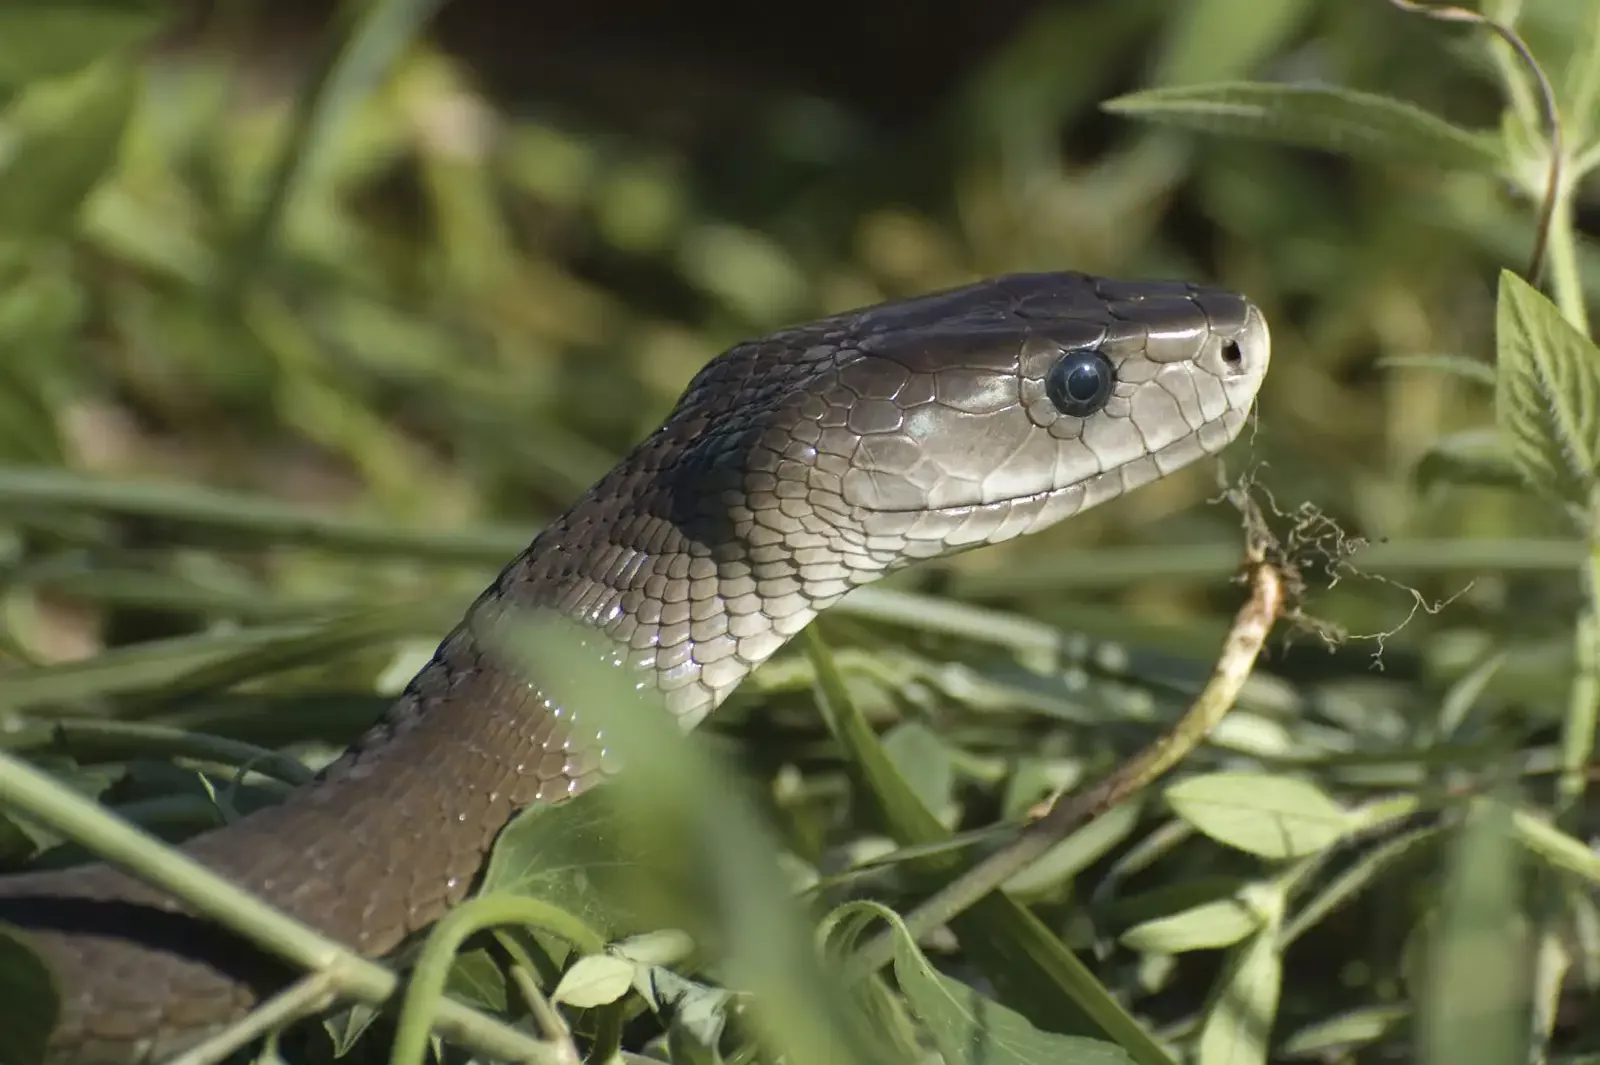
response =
{"points": [[792, 470]]}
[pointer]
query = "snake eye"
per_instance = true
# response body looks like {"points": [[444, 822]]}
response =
{"points": [[1080, 383]]}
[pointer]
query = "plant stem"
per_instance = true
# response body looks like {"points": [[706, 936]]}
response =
{"points": [[1254, 622], [425, 995], [1565, 283], [1578, 729]]}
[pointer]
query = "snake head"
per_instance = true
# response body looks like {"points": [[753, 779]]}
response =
{"points": [[981, 413]]}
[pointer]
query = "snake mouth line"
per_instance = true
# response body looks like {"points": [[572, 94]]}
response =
{"points": [[1047, 494]]}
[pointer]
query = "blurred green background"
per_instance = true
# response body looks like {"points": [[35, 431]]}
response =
{"points": [[448, 281], [311, 315]]}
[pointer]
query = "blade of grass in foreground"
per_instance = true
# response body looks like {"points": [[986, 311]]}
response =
{"points": [[241, 518], [670, 782], [1033, 968]]}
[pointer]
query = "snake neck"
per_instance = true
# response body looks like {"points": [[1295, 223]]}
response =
{"points": [[690, 593]]}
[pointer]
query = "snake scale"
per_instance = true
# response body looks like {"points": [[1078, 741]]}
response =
{"points": [[793, 469]]}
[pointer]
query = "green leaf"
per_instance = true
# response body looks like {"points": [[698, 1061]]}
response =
{"points": [[477, 978], [924, 760], [595, 980], [1205, 927], [968, 1028], [1547, 394], [1336, 1038], [1334, 120], [698, 1012], [1473, 457], [28, 1003], [1238, 1024], [1551, 845], [49, 38], [663, 946], [1474, 370], [66, 136], [346, 1027], [1272, 816], [575, 856], [839, 934]]}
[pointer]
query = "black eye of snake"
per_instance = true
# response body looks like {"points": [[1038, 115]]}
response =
{"points": [[1080, 383]]}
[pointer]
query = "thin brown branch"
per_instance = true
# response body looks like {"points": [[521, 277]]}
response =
{"points": [[1248, 635]]}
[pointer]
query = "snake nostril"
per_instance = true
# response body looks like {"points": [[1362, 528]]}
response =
{"points": [[1232, 354]]}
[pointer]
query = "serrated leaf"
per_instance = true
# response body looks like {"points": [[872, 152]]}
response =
{"points": [[1473, 457], [1335, 120], [1272, 816], [968, 1028], [49, 38], [64, 137], [1547, 393], [595, 980], [1209, 926], [28, 1003]]}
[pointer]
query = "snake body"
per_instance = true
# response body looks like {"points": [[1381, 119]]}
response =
{"points": [[793, 469]]}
